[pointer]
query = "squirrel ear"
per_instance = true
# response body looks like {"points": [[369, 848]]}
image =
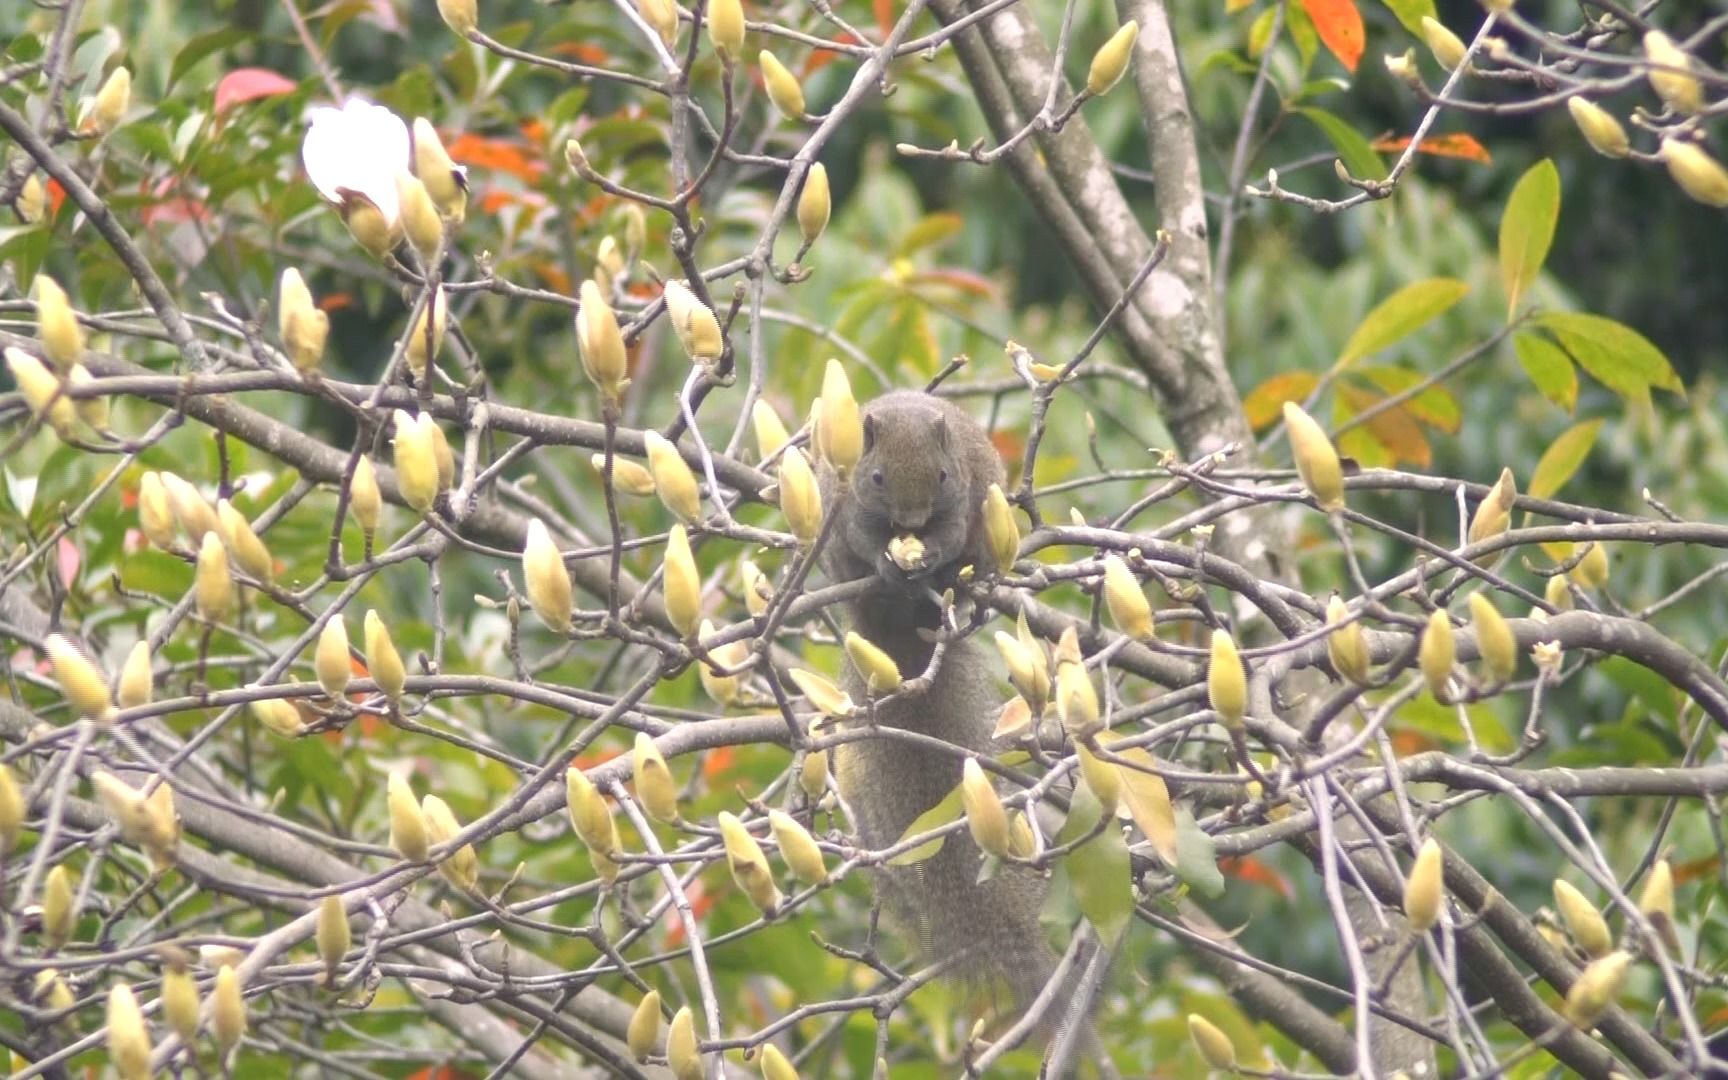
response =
{"points": [[869, 433], [942, 432]]}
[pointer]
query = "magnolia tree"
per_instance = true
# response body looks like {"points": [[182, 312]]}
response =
{"points": [[416, 656]]}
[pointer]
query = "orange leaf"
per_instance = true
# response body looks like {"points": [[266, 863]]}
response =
{"points": [[249, 84], [1254, 872], [1407, 743], [1456, 145], [553, 277], [884, 16], [582, 52], [1339, 25], [1696, 869], [56, 196], [718, 761], [499, 155], [964, 281], [335, 301], [1010, 444], [1395, 429], [1265, 403]]}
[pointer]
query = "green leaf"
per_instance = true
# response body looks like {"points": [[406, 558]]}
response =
{"points": [[1527, 229], [1562, 459], [1440, 722], [1197, 856], [1400, 315], [1352, 147], [200, 47], [1614, 354], [1098, 870], [1549, 368], [1260, 33], [949, 809], [1410, 12], [932, 230]]}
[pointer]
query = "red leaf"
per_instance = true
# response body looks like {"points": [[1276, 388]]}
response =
{"points": [[720, 759], [1456, 145], [1254, 872], [250, 84], [56, 197], [884, 16], [498, 155], [1340, 27]]}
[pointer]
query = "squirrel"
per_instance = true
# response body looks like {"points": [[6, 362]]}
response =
{"points": [[925, 471]]}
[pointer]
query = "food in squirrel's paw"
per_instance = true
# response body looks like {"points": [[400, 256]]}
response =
{"points": [[907, 552]]}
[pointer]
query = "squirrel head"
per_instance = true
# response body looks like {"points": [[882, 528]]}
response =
{"points": [[909, 476]]}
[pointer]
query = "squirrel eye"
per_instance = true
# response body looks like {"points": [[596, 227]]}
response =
{"points": [[942, 477], [876, 478]]}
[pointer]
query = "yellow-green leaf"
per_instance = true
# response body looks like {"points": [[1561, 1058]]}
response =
{"points": [[1410, 12], [1549, 368], [1527, 229], [1148, 800], [1098, 870], [1352, 147], [1614, 354], [1562, 459], [949, 809], [1399, 315]]}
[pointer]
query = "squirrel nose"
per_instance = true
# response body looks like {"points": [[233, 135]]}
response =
{"points": [[909, 523]]}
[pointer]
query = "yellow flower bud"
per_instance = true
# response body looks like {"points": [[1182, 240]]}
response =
{"points": [[1494, 640], [643, 1034], [128, 1039], [1001, 529], [694, 322], [1014, 719], [1592, 570], [382, 659], [57, 325], [628, 477], [1077, 700], [1347, 646], [782, 85], [1656, 902], [109, 106], [1021, 843], [1443, 43], [41, 391], [82, 683], [656, 789], [1127, 605], [823, 695], [408, 831], [1215, 1047], [214, 956], [842, 433], [416, 463], [800, 498], [1494, 513], [589, 814], [441, 455], [1597, 988], [365, 500], [437, 310], [673, 480], [461, 867], [278, 716], [11, 810], [445, 181], [1102, 777], [985, 815], [798, 848], [1599, 127], [303, 327], [335, 935], [51, 991], [757, 589], [1110, 62], [59, 911], [1557, 594], [245, 549], [330, 658], [227, 1010], [1675, 85], [601, 343], [1316, 458], [155, 516], [881, 673], [420, 220], [815, 203], [1226, 681], [813, 774], [32, 201], [681, 584], [775, 1065], [1027, 670], [1588, 928], [770, 430], [726, 28], [376, 234], [662, 17], [681, 1053], [749, 865], [161, 825], [92, 410], [724, 689], [460, 16], [546, 578], [180, 1004], [1425, 888], [1437, 652]]}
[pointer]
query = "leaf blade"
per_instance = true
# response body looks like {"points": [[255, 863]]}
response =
{"points": [[1527, 229], [1399, 315], [1563, 457]]}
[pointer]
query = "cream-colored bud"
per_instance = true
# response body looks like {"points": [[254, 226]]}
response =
{"points": [[681, 1052], [1021, 843], [546, 578], [382, 659], [42, 392], [1494, 514], [1592, 570], [51, 992], [643, 1034], [601, 343], [1110, 62], [92, 410], [32, 201], [128, 1039], [1226, 681], [694, 322], [798, 848], [757, 589], [842, 426], [408, 832], [823, 695], [726, 28], [421, 222], [278, 716], [1494, 640], [1077, 700], [1346, 646], [227, 1010], [1437, 652], [57, 325], [1557, 593], [1102, 777], [770, 430], [335, 935], [1656, 902], [245, 549], [303, 327], [59, 907], [109, 106], [445, 181], [775, 1065], [723, 688], [1588, 928], [376, 234], [1001, 529], [1215, 1047], [435, 312], [330, 659], [1030, 677], [783, 87], [656, 788], [462, 866], [416, 463], [1127, 604], [161, 824], [441, 454], [628, 477], [590, 816], [214, 956], [1316, 458], [460, 16], [1402, 65], [815, 203], [82, 683], [365, 500], [1425, 888], [1672, 79], [155, 516], [800, 498], [881, 673], [1443, 43], [749, 865], [681, 584], [673, 480], [662, 17], [1596, 989], [12, 810], [1599, 127], [985, 815], [180, 1003]]}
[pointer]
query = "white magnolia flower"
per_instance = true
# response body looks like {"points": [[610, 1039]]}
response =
{"points": [[358, 149]]}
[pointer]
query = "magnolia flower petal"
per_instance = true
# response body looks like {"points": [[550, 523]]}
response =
{"points": [[359, 148]]}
